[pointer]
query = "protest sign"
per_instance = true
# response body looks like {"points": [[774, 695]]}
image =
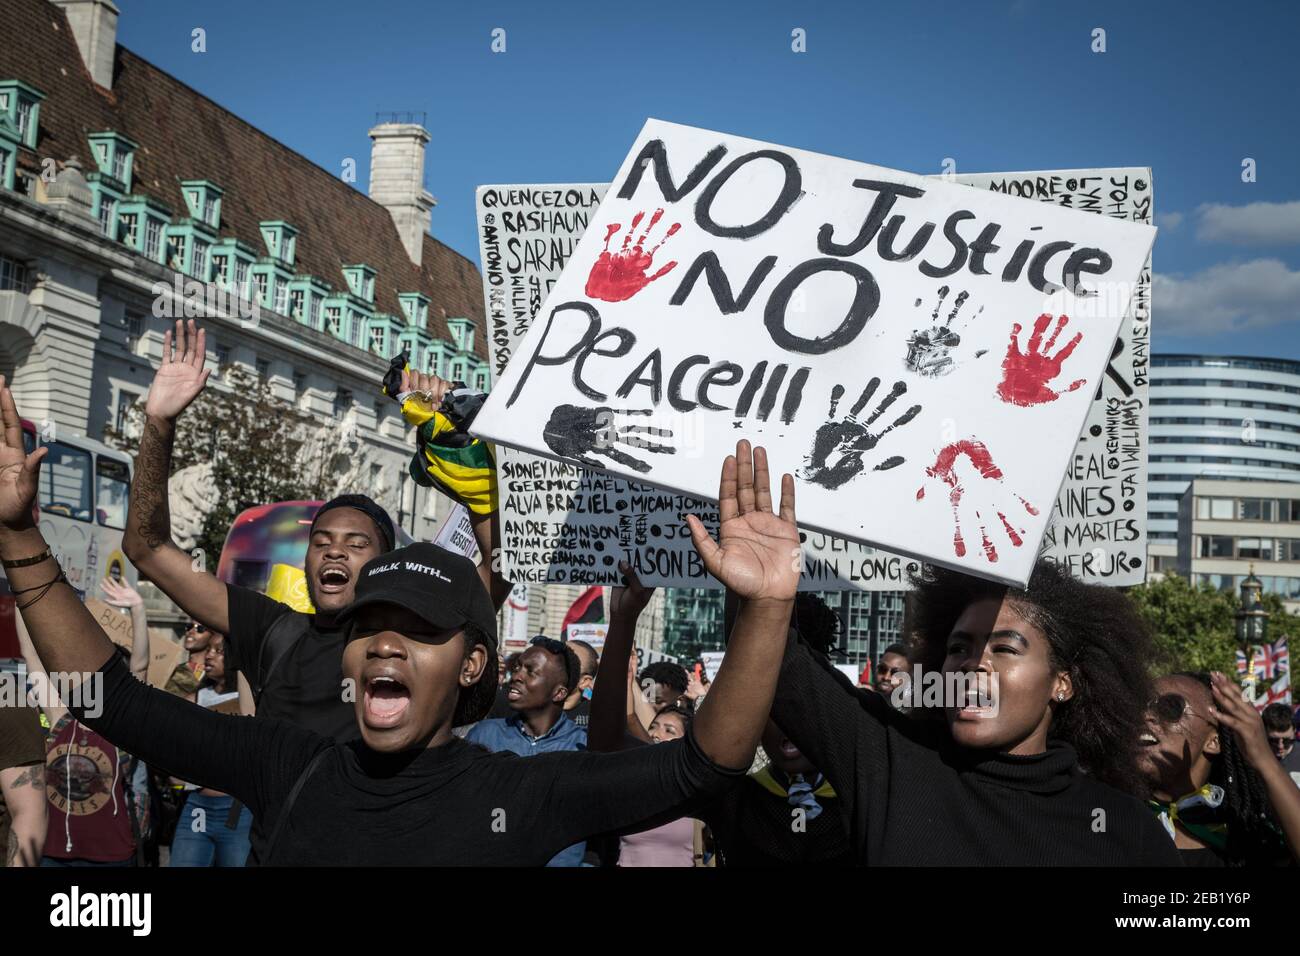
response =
{"points": [[116, 623], [565, 524], [457, 533], [1099, 525], [920, 354], [165, 652]]}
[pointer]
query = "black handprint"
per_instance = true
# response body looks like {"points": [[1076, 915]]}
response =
{"points": [[573, 431], [838, 446], [929, 351]]}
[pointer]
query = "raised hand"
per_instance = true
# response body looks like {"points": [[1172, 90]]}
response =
{"points": [[120, 594], [988, 495], [18, 470], [181, 376], [1241, 717], [617, 276], [428, 386], [757, 552], [631, 598], [839, 446], [576, 432], [1027, 376]]}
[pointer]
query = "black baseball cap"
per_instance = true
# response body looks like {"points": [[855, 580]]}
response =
{"points": [[439, 586]]}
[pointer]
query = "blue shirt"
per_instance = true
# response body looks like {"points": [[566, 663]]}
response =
{"points": [[511, 734]]}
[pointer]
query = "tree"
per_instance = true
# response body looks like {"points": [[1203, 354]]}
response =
{"points": [[242, 446], [1195, 628]]}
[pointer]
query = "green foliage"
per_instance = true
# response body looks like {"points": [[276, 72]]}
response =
{"points": [[1195, 627], [254, 442]]}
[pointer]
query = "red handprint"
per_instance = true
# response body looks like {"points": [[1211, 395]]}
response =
{"points": [[944, 468], [1026, 376], [617, 276]]}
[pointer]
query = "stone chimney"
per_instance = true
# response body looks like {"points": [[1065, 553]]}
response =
{"points": [[94, 25], [397, 181]]}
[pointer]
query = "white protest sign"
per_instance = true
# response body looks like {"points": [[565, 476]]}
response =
{"points": [[457, 533], [1099, 525], [565, 524], [729, 288]]}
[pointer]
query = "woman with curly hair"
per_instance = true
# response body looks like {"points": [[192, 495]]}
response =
{"points": [[1215, 784], [1029, 758]]}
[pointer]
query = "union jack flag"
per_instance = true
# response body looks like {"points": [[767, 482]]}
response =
{"points": [[1272, 672]]}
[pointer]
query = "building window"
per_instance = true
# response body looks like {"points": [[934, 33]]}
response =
{"points": [[210, 211], [4, 169], [342, 402], [263, 371], [281, 297], [14, 276], [333, 320], [223, 358], [241, 278], [107, 209], [24, 118], [295, 303], [299, 384], [134, 332], [130, 221], [1215, 546], [1258, 548], [379, 341], [152, 238], [122, 417], [119, 165], [354, 329], [221, 270], [260, 278], [313, 312], [1216, 509], [1256, 509], [200, 270]]}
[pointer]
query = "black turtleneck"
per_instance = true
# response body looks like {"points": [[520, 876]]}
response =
{"points": [[912, 798], [324, 802]]}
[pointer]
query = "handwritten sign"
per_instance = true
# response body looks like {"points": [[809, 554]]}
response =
{"points": [[116, 624], [1099, 524], [565, 524], [895, 341]]}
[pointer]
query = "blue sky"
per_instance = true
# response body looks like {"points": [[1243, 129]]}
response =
{"points": [[1188, 88]]}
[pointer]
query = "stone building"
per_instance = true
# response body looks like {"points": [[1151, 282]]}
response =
{"points": [[125, 194]]}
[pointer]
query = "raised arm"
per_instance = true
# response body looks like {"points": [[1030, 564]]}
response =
{"points": [[454, 461], [608, 719], [23, 792], [1248, 726], [123, 595], [757, 556], [147, 540], [247, 758]]}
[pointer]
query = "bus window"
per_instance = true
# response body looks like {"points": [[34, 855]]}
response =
{"points": [[65, 482], [112, 485], [252, 574]]}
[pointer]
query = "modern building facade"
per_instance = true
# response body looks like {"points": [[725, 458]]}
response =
{"points": [[1230, 417], [125, 195], [1229, 529]]}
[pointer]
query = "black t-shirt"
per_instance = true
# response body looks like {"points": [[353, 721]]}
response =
{"points": [[581, 713], [912, 798], [456, 804], [754, 827], [306, 683]]}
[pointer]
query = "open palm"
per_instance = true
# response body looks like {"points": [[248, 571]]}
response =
{"points": [[757, 551], [181, 376], [18, 470]]}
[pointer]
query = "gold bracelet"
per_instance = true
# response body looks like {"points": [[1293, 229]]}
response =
{"points": [[27, 562]]}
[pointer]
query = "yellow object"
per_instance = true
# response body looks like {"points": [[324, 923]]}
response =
{"points": [[461, 466], [288, 585]]}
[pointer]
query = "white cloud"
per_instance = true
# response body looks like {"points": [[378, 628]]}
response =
{"points": [[1255, 224], [1169, 221], [1227, 297]]}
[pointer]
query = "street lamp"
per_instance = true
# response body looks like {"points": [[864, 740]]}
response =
{"points": [[1252, 626]]}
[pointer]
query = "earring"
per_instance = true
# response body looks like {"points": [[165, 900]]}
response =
{"points": [[1060, 696]]}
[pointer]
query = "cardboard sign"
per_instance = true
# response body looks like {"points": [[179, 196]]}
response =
{"points": [[920, 354], [457, 533], [165, 652], [565, 524], [115, 622], [1099, 525]]}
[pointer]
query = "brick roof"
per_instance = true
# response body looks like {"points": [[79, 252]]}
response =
{"points": [[183, 135]]}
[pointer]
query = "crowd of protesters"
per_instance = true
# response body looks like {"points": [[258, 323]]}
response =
{"points": [[384, 728]]}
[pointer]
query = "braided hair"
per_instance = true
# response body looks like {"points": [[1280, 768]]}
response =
{"points": [[1253, 835]]}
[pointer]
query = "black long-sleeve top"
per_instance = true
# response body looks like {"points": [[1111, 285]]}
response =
{"points": [[456, 804], [913, 798]]}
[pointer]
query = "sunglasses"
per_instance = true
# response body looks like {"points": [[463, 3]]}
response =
{"points": [[196, 627], [1170, 708]]}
